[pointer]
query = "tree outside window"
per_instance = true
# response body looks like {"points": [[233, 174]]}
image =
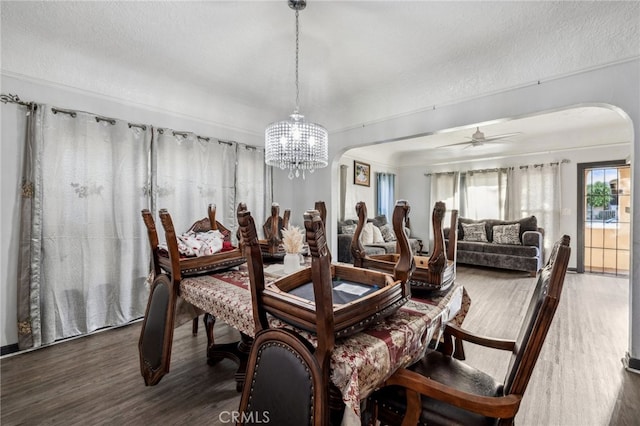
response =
{"points": [[598, 195]]}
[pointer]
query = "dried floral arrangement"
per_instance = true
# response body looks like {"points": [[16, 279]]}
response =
{"points": [[292, 239]]}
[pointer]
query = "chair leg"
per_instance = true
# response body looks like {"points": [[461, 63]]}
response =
{"points": [[194, 326], [458, 352]]}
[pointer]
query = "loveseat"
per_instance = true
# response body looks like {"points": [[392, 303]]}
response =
{"points": [[384, 243], [515, 245]]}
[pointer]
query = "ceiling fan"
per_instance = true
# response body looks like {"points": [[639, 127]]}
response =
{"points": [[478, 138]]}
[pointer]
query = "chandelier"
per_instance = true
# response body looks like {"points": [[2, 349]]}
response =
{"points": [[296, 144]]}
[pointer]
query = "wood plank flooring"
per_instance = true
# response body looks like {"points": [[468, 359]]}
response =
{"points": [[579, 379]]}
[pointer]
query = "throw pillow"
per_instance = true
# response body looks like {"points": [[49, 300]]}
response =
{"points": [[349, 229], [379, 220], [506, 234], [345, 222], [474, 232], [387, 233], [366, 237], [377, 235]]}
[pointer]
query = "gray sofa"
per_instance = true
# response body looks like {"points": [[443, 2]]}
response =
{"points": [[345, 235], [524, 252]]}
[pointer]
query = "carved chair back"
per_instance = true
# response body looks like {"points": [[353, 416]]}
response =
{"points": [[537, 321]]}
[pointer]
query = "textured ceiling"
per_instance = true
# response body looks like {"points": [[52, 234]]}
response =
{"points": [[232, 63]]}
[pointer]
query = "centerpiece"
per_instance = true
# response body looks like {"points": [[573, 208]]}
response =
{"points": [[292, 242]]}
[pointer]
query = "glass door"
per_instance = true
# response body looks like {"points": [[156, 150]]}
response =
{"points": [[605, 192]]}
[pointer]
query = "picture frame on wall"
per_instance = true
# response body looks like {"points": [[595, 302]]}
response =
{"points": [[361, 173]]}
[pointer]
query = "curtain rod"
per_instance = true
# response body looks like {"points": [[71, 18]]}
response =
{"points": [[565, 161], [502, 169], [548, 164], [15, 99]]}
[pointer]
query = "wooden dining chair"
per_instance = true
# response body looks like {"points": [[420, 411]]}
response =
{"points": [[315, 309], [284, 383], [271, 245], [164, 303], [441, 389], [435, 272]]}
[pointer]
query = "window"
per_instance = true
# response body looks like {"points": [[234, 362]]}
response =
{"points": [[385, 199]]}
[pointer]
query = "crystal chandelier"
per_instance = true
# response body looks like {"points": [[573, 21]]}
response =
{"points": [[295, 144]]}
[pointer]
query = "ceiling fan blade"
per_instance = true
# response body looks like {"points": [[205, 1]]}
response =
{"points": [[502, 136], [458, 144]]}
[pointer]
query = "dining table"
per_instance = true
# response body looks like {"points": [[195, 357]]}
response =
{"points": [[361, 362]]}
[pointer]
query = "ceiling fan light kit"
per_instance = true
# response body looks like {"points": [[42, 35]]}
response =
{"points": [[295, 144]]}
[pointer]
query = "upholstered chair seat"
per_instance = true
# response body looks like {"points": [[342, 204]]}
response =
{"points": [[453, 373]]}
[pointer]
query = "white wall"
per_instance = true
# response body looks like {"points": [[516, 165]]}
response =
{"points": [[356, 193], [13, 127], [415, 186]]}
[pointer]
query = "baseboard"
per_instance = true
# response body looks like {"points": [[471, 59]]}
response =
{"points": [[631, 364], [12, 349], [9, 349]]}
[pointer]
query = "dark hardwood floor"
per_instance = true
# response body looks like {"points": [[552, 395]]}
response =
{"points": [[579, 379]]}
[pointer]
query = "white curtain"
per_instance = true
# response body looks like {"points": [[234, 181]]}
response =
{"points": [[190, 173], [537, 192], [485, 194], [252, 174], [445, 188], [84, 252], [83, 257]]}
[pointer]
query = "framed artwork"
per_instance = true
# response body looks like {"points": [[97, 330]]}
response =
{"points": [[361, 173]]}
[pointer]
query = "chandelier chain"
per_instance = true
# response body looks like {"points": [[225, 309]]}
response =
{"points": [[297, 54]]}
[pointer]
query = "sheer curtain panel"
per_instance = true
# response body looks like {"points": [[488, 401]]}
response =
{"points": [[537, 192], [252, 174], [485, 194], [190, 173], [445, 187], [83, 252]]}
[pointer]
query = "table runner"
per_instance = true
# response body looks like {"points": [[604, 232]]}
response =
{"points": [[359, 363]]}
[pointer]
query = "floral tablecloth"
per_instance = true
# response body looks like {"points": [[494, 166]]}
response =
{"points": [[359, 363]]}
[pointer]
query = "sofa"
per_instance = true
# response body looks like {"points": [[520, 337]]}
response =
{"points": [[515, 245], [384, 245]]}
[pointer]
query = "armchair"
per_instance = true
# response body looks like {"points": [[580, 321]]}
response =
{"points": [[456, 393]]}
